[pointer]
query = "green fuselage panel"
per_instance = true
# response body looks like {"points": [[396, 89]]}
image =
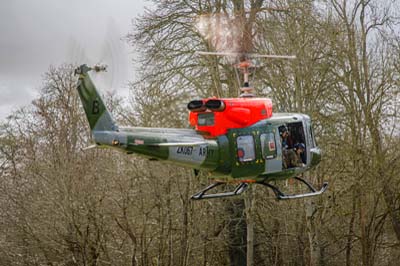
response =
{"points": [[134, 146], [246, 158]]}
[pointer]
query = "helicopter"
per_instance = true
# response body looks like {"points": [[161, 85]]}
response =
{"points": [[237, 140]]}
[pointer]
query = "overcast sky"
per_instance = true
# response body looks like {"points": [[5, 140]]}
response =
{"points": [[37, 34]]}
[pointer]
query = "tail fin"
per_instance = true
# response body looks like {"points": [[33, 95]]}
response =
{"points": [[97, 114]]}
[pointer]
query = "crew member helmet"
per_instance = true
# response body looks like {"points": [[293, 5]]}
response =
{"points": [[300, 146]]}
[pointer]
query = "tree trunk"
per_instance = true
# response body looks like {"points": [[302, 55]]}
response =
{"points": [[351, 232], [236, 232], [313, 236], [249, 202], [390, 200]]}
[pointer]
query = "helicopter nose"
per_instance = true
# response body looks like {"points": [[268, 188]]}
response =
{"points": [[315, 156]]}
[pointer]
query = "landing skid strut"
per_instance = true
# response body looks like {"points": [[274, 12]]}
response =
{"points": [[242, 187], [282, 196]]}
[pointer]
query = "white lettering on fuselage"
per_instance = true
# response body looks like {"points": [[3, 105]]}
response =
{"points": [[188, 151], [193, 155], [205, 151]]}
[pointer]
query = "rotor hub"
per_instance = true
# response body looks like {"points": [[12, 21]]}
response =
{"points": [[246, 67]]}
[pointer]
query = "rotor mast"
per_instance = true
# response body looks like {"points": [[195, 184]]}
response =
{"points": [[246, 66]]}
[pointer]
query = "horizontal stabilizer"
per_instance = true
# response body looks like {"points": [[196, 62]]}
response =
{"points": [[172, 144], [175, 144]]}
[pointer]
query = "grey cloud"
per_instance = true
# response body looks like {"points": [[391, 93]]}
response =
{"points": [[37, 34]]}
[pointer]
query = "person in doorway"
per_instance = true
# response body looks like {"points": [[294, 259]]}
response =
{"points": [[284, 133], [294, 157]]}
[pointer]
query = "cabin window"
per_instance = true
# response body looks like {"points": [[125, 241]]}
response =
{"points": [[245, 148], [206, 119], [268, 145]]}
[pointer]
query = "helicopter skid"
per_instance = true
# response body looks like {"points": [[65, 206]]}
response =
{"points": [[282, 196], [243, 186]]}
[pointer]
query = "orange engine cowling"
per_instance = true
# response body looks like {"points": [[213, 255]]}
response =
{"points": [[216, 116]]}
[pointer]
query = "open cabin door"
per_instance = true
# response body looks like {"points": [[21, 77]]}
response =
{"points": [[298, 134]]}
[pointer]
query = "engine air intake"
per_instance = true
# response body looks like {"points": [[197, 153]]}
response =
{"points": [[215, 105], [196, 106]]}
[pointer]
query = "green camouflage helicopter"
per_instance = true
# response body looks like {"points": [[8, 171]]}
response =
{"points": [[237, 140]]}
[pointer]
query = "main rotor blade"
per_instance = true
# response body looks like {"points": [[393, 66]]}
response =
{"points": [[273, 56], [218, 53], [248, 55]]}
